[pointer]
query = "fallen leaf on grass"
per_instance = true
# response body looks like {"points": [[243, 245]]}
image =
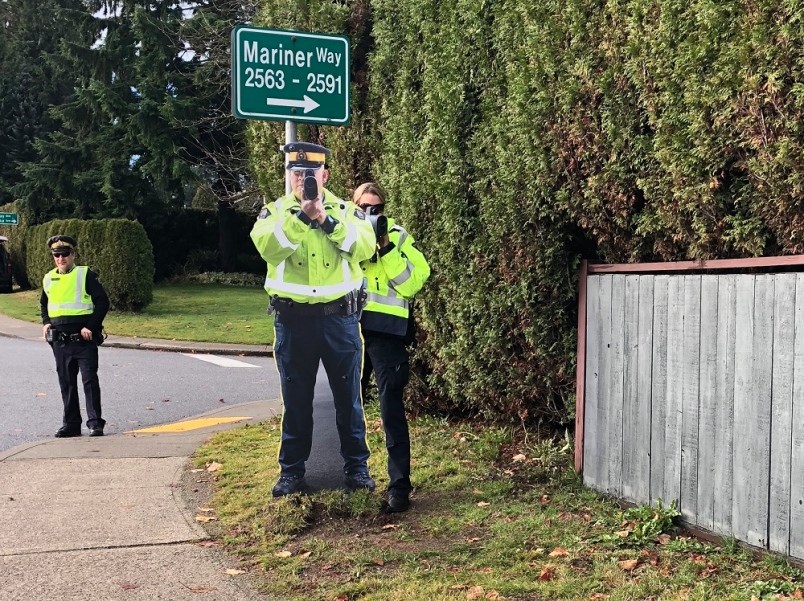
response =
{"points": [[623, 533], [598, 597], [306, 554], [547, 573], [214, 466], [234, 572], [663, 539], [476, 592], [378, 562], [342, 598], [129, 586], [390, 527], [518, 457], [559, 552], [483, 504], [205, 518], [472, 540], [628, 564], [283, 554], [493, 595]]}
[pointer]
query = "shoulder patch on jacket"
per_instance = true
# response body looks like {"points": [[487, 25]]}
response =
{"points": [[264, 213], [360, 214]]}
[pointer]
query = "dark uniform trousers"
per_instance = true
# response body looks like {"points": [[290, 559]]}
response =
{"points": [[72, 357], [301, 342], [388, 358]]}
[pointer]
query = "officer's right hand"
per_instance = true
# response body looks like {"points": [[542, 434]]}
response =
{"points": [[45, 328], [314, 209]]}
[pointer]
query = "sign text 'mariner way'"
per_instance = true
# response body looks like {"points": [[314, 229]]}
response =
{"points": [[284, 57]]}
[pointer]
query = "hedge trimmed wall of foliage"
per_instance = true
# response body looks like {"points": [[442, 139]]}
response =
{"points": [[517, 137], [118, 250], [186, 241]]}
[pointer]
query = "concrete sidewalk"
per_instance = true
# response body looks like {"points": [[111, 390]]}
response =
{"points": [[105, 518]]}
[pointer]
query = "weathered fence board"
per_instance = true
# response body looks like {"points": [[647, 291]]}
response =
{"points": [[707, 416], [689, 396], [797, 430], [724, 404], [782, 411], [694, 393], [659, 388]]}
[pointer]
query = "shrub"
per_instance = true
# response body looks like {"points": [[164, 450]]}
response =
{"points": [[118, 250]]}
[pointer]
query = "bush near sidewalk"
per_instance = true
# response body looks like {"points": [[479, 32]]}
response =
{"points": [[118, 250]]}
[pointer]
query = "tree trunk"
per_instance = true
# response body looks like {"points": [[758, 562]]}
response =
{"points": [[226, 231]]}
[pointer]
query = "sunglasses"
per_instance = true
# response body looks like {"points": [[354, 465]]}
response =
{"points": [[62, 254], [371, 209]]}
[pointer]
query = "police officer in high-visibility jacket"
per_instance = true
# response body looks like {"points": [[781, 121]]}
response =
{"points": [[395, 273], [313, 243], [73, 305]]}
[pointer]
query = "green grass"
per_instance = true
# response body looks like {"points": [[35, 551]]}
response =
{"points": [[199, 312], [496, 515]]}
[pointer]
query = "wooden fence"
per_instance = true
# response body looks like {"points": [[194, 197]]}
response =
{"points": [[690, 388]]}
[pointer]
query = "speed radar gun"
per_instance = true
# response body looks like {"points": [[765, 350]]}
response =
{"points": [[378, 221], [310, 186]]}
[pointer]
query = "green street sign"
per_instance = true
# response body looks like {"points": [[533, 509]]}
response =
{"points": [[290, 76], [9, 218]]}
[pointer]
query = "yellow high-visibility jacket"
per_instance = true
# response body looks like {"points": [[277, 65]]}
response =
{"points": [[67, 293], [394, 276], [308, 263]]}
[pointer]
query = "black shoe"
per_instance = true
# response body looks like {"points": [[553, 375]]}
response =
{"points": [[96, 431], [65, 432], [287, 485], [359, 481], [396, 503]]}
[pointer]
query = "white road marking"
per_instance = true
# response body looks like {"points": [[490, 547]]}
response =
{"points": [[221, 361]]}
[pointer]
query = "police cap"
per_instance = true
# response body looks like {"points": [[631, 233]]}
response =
{"points": [[61, 243], [304, 155]]}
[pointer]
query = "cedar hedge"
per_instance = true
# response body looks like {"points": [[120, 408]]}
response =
{"points": [[118, 250], [517, 137]]}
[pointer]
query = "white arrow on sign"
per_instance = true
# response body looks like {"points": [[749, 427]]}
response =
{"points": [[308, 103]]}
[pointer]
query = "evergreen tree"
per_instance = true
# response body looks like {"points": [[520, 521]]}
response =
{"points": [[31, 33]]}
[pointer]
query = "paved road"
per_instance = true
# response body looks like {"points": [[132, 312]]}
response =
{"points": [[139, 388]]}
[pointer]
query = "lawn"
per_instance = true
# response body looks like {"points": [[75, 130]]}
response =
{"points": [[497, 514], [200, 312]]}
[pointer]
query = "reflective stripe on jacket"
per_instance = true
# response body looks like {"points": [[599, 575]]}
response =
{"points": [[67, 293], [393, 279], [305, 264]]}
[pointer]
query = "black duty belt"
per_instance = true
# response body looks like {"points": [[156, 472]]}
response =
{"points": [[346, 305]]}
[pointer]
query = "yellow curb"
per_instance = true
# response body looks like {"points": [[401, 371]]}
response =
{"points": [[193, 424]]}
